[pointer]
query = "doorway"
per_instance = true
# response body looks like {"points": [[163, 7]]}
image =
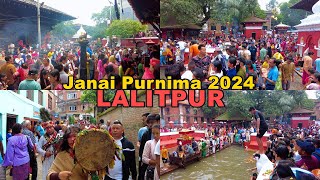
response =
{"points": [[253, 35], [11, 120], [300, 125]]}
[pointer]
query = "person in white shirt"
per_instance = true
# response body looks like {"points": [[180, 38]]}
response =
{"points": [[182, 46], [188, 73]]}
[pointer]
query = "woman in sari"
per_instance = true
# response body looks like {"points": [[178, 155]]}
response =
{"points": [[64, 166]]}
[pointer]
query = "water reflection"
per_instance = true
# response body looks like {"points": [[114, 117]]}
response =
{"points": [[229, 164]]}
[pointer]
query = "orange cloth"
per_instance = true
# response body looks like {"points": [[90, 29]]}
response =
{"points": [[194, 50]]}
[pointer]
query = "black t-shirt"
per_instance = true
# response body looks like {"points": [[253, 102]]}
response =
{"points": [[263, 123]]}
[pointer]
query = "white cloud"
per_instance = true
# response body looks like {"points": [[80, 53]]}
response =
{"points": [[263, 3], [81, 9]]}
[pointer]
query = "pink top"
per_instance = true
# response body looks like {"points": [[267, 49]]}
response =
{"points": [[147, 74], [101, 69], [58, 87], [148, 151]]}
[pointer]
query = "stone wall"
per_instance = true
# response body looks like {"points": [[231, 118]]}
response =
{"points": [[131, 118]]}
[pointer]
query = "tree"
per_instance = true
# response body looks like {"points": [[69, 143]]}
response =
{"points": [[64, 30], [290, 16], [45, 115], [199, 12], [103, 16], [125, 28]]}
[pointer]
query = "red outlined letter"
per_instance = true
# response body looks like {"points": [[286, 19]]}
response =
{"points": [[100, 102], [120, 99], [162, 96], [177, 96], [134, 99], [197, 101], [215, 97]]}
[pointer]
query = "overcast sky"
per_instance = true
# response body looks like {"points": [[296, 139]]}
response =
{"points": [[81, 9], [263, 3]]}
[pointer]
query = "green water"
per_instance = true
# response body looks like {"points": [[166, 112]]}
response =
{"points": [[229, 164]]}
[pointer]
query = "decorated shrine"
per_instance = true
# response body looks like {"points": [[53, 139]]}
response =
{"points": [[309, 30], [253, 27], [301, 118], [281, 28]]}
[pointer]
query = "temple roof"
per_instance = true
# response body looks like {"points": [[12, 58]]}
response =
{"points": [[232, 116], [305, 5], [80, 32], [147, 11], [25, 11], [282, 25], [301, 111], [172, 23], [254, 19], [34, 3]]}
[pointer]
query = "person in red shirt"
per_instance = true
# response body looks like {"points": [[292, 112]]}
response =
{"points": [[23, 72], [308, 161]]}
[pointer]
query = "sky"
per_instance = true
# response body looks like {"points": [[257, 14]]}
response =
{"points": [[81, 9], [263, 3]]}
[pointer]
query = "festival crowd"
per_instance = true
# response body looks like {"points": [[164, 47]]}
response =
{"points": [[54, 143], [291, 153], [25, 68], [272, 60]]}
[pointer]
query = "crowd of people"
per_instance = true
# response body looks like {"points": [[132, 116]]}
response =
{"points": [[25, 68], [291, 152], [54, 143], [270, 60]]}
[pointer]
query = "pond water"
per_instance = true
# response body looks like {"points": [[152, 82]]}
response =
{"points": [[229, 164]]}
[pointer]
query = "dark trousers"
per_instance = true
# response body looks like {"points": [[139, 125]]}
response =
{"points": [[142, 170], [108, 178], [10, 87], [270, 87], [34, 167]]}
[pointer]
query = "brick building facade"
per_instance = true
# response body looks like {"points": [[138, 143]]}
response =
{"points": [[69, 104], [183, 113]]}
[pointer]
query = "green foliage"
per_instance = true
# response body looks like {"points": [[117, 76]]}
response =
{"points": [[125, 28], [104, 15], [198, 12], [71, 119], [289, 16], [45, 115], [89, 96], [93, 120], [64, 30], [274, 103]]}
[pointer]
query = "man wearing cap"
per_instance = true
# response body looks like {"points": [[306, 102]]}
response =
{"points": [[30, 82], [261, 127], [126, 164], [308, 161], [45, 148]]}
